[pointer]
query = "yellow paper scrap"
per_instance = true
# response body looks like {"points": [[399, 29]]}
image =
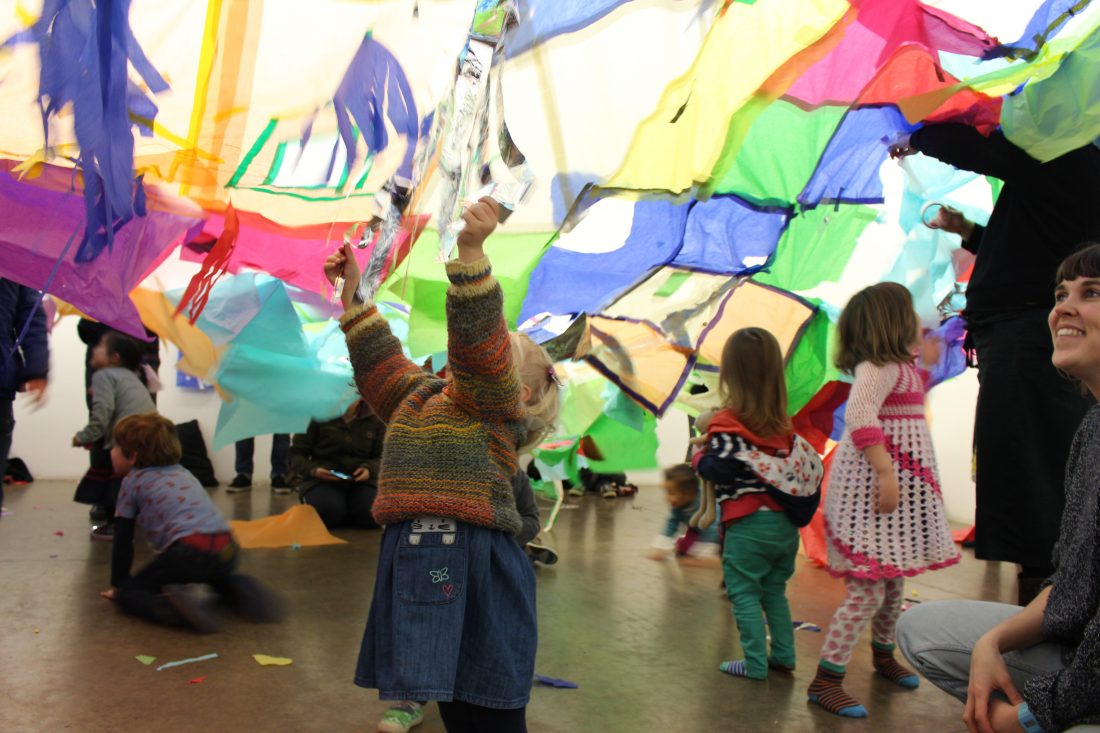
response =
{"points": [[145, 659], [265, 660]]}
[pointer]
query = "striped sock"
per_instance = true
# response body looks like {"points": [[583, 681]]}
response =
{"points": [[737, 668], [827, 690], [888, 667]]}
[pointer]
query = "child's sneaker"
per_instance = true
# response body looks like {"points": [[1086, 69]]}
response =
{"points": [[103, 532], [401, 717], [540, 553]]}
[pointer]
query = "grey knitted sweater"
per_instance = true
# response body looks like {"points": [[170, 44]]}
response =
{"points": [[1072, 617]]}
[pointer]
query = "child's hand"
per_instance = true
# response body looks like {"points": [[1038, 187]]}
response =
{"points": [[342, 263], [700, 440], [76, 442], [703, 421], [888, 492], [109, 594], [481, 219], [931, 348]]}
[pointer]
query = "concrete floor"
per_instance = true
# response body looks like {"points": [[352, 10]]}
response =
{"points": [[642, 639]]}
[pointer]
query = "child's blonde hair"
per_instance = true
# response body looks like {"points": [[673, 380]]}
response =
{"points": [[536, 370], [878, 325], [752, 384]]}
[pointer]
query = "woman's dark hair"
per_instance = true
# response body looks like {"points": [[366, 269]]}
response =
{"points": [[1085, 262], [130, 352]]}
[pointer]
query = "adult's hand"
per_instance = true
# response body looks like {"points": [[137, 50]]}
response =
{"points": [[988, 674], [361, 474], [901, 148], [325, 475], [36, 388], [952, 220]]}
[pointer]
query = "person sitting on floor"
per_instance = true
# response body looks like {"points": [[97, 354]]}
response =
{"points": [[189, 534], [336, 465]]}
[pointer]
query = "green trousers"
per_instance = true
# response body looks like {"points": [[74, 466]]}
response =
{"points": [[757, 561]]}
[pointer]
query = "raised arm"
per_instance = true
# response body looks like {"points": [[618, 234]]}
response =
{"points": [[384, 375], [964, 147], [483, 376]]}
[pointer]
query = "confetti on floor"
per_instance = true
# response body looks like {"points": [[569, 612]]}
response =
{"points": [[266, 661], [196, 681], [180, 662], [555, 682], [145, 659], [59, 533]]}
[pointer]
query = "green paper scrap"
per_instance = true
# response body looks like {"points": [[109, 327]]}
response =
{"points": [[145, 659], [266, 661], [181, 662]]}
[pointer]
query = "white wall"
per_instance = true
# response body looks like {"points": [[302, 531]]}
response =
{"points": [[42, 438]]}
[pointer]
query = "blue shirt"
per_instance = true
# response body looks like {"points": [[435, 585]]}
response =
{"points": [[168, 503]]}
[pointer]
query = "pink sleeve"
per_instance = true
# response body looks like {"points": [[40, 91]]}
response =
{"points": [[872, 386]]}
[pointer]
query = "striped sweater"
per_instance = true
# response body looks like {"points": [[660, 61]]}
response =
{"points": [[450, 449]]}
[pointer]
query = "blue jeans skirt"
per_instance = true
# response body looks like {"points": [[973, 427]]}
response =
{"points": [[453, 616]]}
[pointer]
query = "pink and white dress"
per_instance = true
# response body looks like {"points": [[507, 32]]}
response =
{"points": [[886, 406]]}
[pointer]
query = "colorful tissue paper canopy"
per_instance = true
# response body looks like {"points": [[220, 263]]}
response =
{"points": [[660, 201]]}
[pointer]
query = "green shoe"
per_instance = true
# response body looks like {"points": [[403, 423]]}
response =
{"points": [[401, 718]]}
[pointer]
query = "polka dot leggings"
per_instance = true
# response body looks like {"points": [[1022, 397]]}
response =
{"points": [[876, 600]]}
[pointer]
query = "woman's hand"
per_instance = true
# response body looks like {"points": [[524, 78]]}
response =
{"points": [[952, 220], [342, 263], [481, 219], [901, 148], [361, 474], [988, 673], [888, 492], [323, 474]]}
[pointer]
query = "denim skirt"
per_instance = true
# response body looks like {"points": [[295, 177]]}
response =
{"points": [[453, 616]]}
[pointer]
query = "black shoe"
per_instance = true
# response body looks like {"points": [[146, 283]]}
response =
{"points": [[253, 600], [279, 484], [195, 611], [98, 512], [241, 482]]}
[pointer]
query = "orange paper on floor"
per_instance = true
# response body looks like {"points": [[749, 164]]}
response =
{"points": [[299, 525]]}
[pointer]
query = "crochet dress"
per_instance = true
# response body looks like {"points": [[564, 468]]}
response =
{"points": [[886, 406]]}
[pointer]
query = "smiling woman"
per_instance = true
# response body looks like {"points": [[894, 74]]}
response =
{"points": [[1075, 319], [1042, 658]]}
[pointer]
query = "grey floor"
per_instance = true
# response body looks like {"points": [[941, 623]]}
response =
{"points": [[642, 639]]}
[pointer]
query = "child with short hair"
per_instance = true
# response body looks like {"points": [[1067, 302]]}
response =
{"points": [[118, 389], [767, 482], [453, 614], [884, 514], [682, 492], [189, 534]]}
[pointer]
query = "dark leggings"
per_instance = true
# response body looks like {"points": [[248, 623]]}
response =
{"points": [[464, 717]]}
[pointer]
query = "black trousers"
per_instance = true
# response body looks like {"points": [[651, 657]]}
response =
{"points": [[343, 504], [179, 564], [1026, 417], [464, 717]]}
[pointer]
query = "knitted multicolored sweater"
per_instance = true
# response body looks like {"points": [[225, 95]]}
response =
{"points": [[450, 449]]}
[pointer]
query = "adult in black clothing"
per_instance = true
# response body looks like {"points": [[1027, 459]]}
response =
{"points": [[337, 464], [1026, 413]]}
